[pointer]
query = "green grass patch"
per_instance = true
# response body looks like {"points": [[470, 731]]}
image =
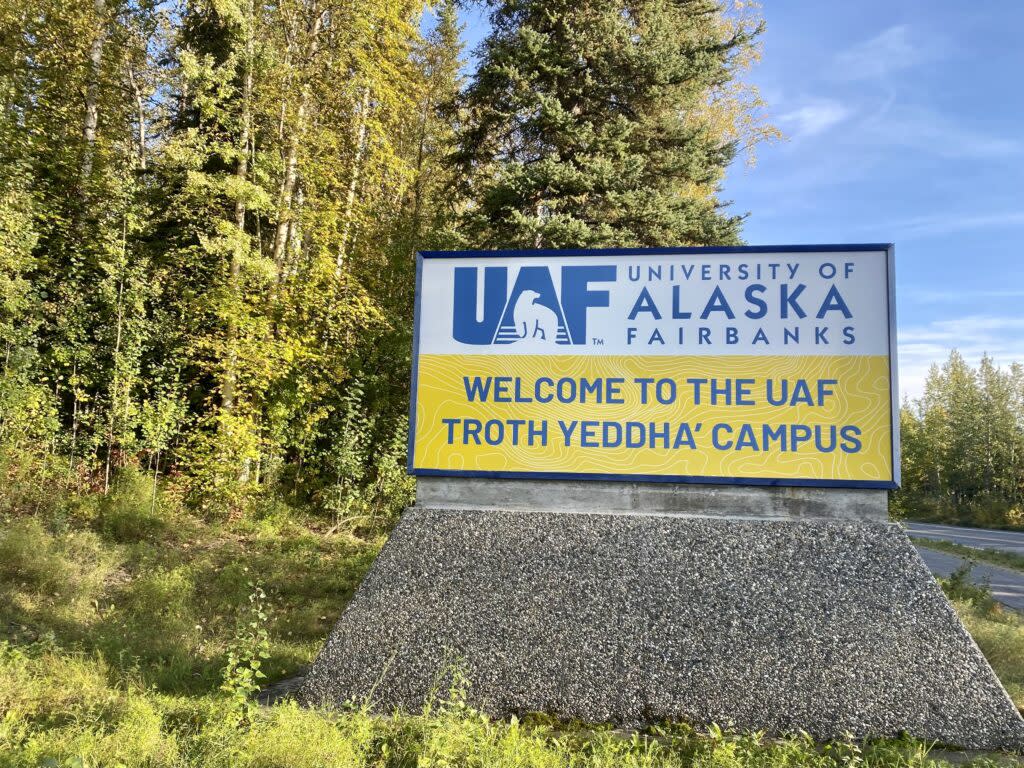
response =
{"points": [[121, 619], [163, 603], [66, 709], [991, 556], [998, 631]]}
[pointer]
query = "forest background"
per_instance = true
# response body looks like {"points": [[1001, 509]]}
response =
{"points": [[209, 211]]}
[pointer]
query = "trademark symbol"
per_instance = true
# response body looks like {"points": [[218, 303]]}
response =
{"points": [[597, 342]]}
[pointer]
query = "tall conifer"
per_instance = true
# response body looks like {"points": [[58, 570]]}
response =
{"points": [[585, 124]]}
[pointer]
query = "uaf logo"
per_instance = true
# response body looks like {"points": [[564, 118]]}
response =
{"points": [[533, 312]]}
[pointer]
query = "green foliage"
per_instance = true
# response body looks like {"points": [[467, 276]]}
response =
{"points": [[598, 124], [198, 242], [346, 457], [100, 724], [960, 586], [246, 655], [999, 633], [129, 512], [69, 570], [209, 213], [160, 601], [963, 446]]}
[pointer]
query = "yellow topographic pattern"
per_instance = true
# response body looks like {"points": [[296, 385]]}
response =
{"points": [[855, 416]]}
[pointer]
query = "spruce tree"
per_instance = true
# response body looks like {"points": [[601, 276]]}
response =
{"points": [[585, 124]]}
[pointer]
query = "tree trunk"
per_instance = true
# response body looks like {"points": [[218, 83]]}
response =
{"points": [[140, 116], [350, 197], [284, 201], [417, 193], [156, 471], [92, 111], [291, 159], [230, 382], [74, 423], [115, 381], [295, 233]]}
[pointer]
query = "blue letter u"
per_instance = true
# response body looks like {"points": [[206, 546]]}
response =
{"points": [[465, 325]]}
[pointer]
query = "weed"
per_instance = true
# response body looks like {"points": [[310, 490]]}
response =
{"points": [[960, 586], [246, 656]]}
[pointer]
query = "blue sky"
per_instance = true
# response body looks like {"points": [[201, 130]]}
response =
{"points": [[903, 123]]}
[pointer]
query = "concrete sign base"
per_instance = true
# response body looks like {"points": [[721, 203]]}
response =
{"points": [[830, 626]]}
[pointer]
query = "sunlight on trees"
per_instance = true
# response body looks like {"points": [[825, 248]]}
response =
{"points": [[963, 446], [209, 211]]}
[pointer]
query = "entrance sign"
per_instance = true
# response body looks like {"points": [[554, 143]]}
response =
{"points": [[767, 366], [752, 365]]}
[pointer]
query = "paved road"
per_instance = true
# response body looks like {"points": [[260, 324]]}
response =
{"points": [[1007, 586], [1008, 541]]}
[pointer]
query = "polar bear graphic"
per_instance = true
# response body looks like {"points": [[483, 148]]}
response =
{"points": [[534, 320]]}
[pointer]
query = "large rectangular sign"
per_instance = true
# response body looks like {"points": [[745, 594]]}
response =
{"points": [[766, 365]]}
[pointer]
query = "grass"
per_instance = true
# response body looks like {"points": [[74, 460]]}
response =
{"points": [[117, 622], [998, 631], [163, 599], [991, 556]]}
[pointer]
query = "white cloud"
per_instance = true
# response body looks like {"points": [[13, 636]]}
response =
{"points": [[931, 296], [886, 52], [1002, 338], [931, 132], [940, 224], [814, 118]]}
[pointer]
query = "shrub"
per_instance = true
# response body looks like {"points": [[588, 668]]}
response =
{"points": [[129, 513], [960, 586], [246, 656]]}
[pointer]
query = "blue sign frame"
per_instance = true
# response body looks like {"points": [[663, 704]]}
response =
{"points": [[890, 253]]}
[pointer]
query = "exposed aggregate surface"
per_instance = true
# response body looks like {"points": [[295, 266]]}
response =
{"points": [[830, 627]]}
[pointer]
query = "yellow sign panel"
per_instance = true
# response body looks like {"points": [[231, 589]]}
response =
{"points": [[700, 365]]}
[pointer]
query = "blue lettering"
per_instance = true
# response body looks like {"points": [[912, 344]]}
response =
{"points": [[501, 386], [850, 435], [770, 435], [577, 296], [644, 303], [801, 434], [789, 300], [834, 302], [465, 326], [684, 437], [717, 303], [588, 434], [660, 434], [545, 398], [756, 301], [677, 312], [607, 430], [720, 445], [746, 438], [636, 434], [479, 388]]}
